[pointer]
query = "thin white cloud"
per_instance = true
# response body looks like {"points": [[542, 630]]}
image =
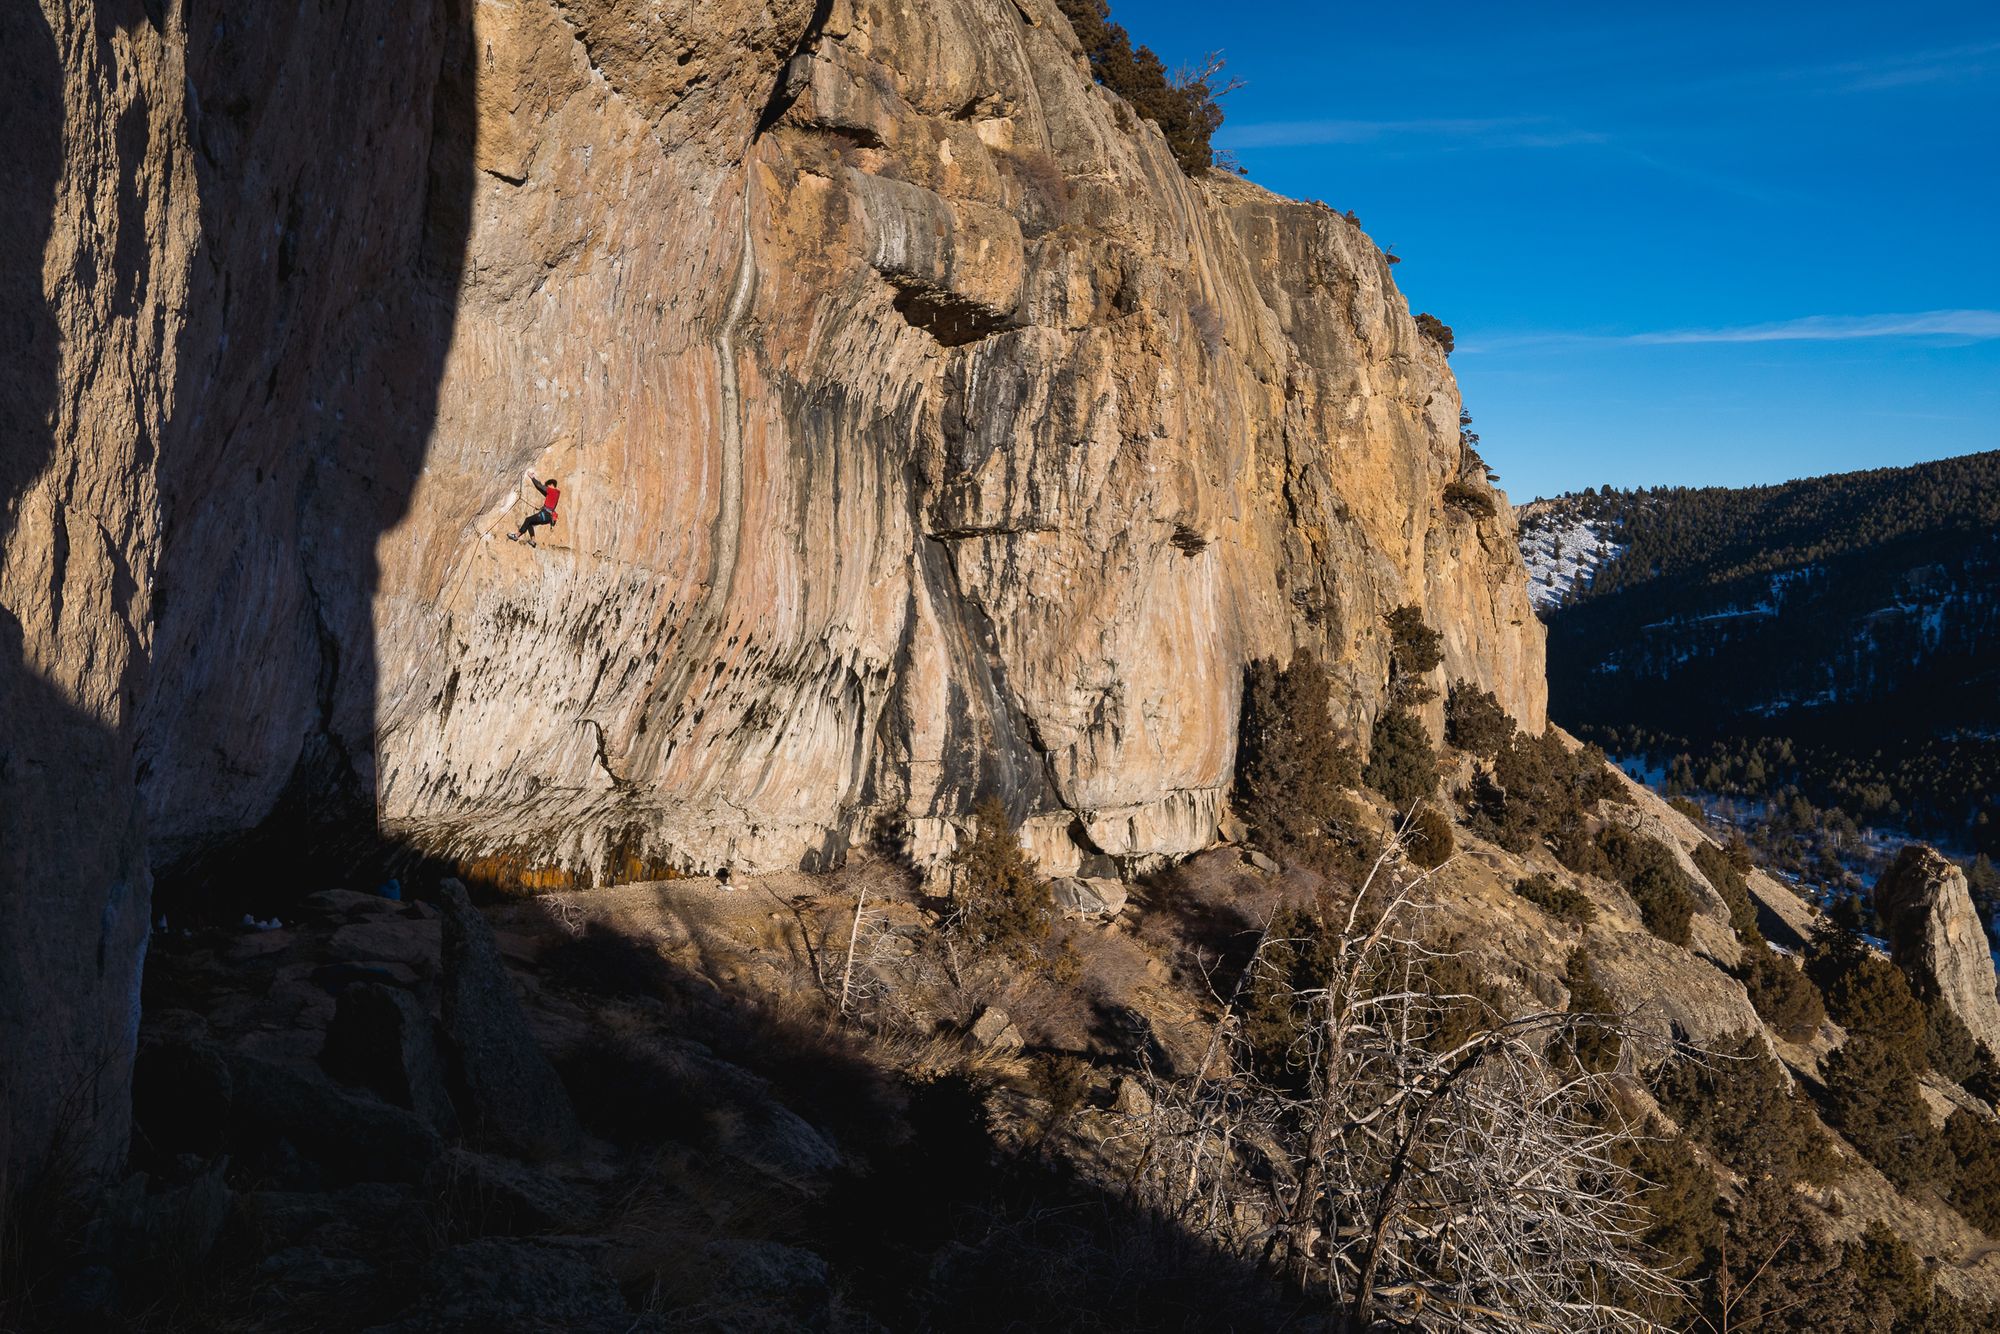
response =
{"points": [[1950, 64], [1914, 76], [1974, 325], [1494, 132], [1708, 180], [1979, 324], [1447, 135]]}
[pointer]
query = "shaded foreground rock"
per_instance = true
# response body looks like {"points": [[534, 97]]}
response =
{"points": [[495, 1284], [513, 1097], [181, 1093], [1936, 938], [383, 1038], [172, 1229], [762, 1278], [308, 1130], [482, 1194]]}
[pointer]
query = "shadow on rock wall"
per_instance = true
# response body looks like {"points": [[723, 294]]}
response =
{"points": [[321, 158], [72, 868], [335, 155]]}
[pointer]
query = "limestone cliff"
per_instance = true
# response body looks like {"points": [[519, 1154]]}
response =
{"points": [[1937, 939], [94, 245], [924, 434]]}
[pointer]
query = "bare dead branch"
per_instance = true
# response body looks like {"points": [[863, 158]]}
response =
{"points": [[1469, 1184]]}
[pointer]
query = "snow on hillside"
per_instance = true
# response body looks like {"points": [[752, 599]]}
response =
{"points": [[1563, 551]]}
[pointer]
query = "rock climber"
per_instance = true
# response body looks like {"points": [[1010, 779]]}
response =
{"points": [[545, 515]]}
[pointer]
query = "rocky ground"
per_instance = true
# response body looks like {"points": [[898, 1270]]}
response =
{"points": [[630, 1109], [777, 1104]]}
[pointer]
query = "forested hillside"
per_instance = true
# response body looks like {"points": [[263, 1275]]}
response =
{"points": [[1839, 635]]}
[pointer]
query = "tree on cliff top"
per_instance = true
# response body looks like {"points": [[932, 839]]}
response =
{"points": [[1183, 104]]}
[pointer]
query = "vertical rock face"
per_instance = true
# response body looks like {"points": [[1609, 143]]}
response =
{"points": [[94, 255], [228, 277], [1936, 938], [924, 434]]}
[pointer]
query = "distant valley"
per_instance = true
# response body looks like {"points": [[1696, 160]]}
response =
{"points": [[1835, 638]]}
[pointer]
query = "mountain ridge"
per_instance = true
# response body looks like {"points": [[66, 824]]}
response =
{"points": [[1855, 615]]}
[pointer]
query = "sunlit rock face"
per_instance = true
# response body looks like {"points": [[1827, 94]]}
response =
{"points": [[924, 434], [1937, 938]]}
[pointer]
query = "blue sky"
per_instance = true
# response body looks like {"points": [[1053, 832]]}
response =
{"points": [[1690, 243]]}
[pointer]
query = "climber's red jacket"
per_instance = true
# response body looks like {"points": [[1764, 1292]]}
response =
{"points": [[549, 497]]}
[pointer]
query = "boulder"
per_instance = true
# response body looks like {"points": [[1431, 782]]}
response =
{"points": [[397, 939], [270, 1221], [298, 1125], [1132, 1099], [301, 1273], [87, 1298], [488, 1196], [768, 1278], [1260, 861], [1091, 897], [1936, 938], [776, 1141], [358, 1218], [512, 1096], [742, 1113], [181, 1093], [994, 1031], [346, 905], [334, 978], [383, 1039], [140, 1229], [1177, 1049]]}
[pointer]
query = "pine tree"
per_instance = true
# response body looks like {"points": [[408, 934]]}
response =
{"points": [[1003, 906], [1401, 764], [1291, 765], [1415, 650], [1875, 1100]]}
